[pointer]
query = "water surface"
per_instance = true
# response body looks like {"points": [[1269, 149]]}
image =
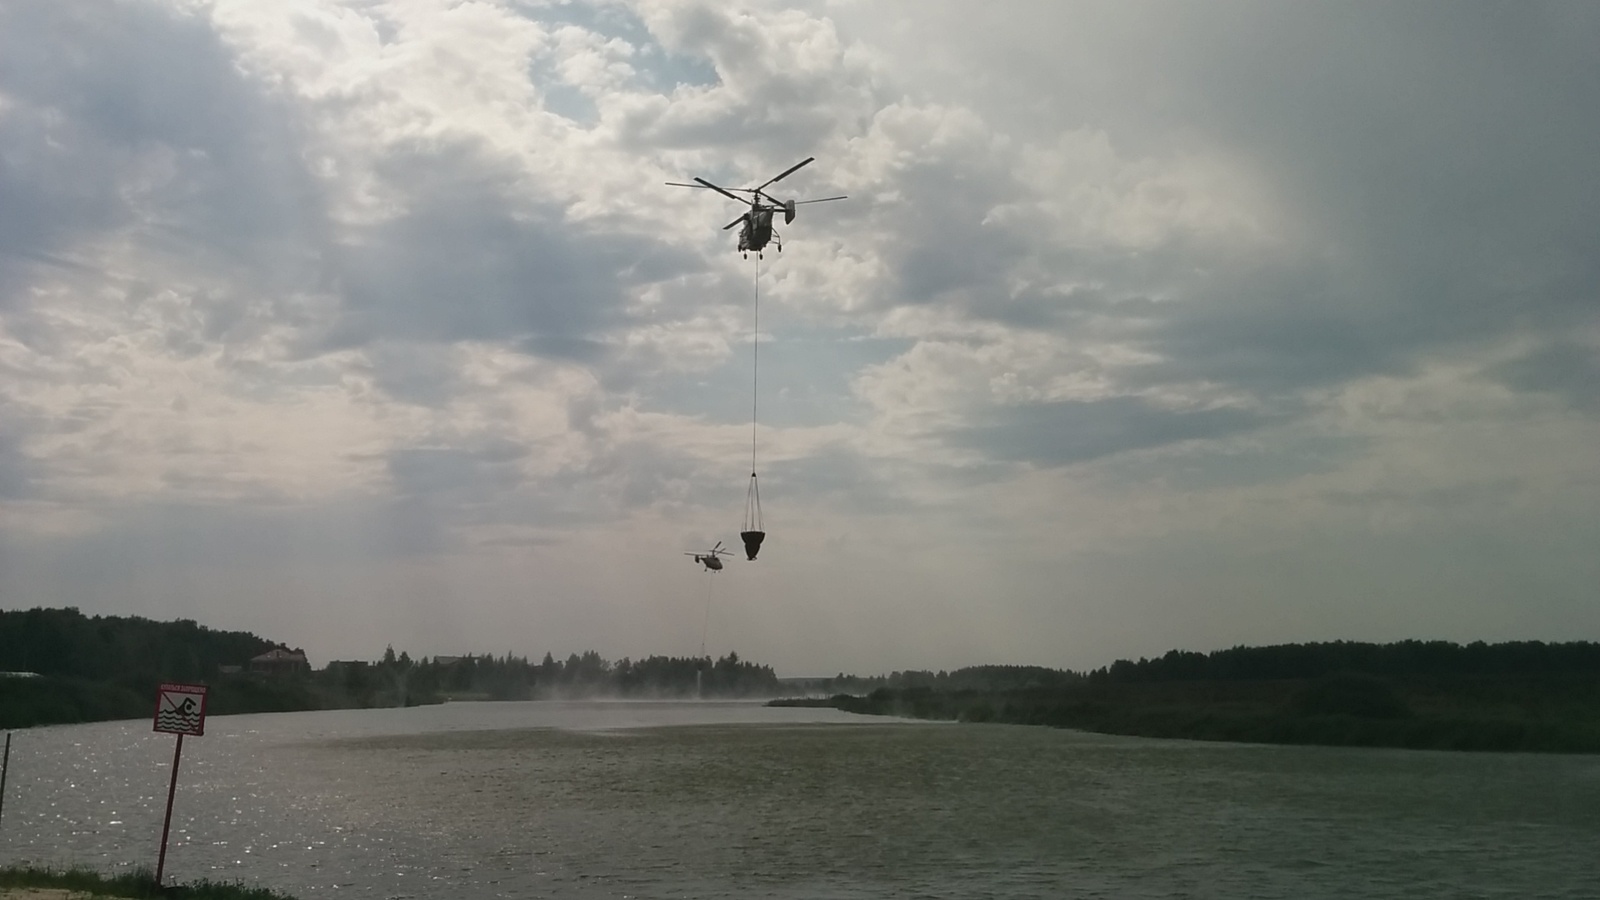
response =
{"points": [[723, 800]]}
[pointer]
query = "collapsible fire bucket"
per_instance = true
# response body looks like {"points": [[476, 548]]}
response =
{"points": [[752, 542]]}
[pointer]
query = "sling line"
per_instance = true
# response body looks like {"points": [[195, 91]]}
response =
{"points": [[754, 529]]}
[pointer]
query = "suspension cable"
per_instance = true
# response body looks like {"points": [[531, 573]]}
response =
{"points": [[755, 367], [705, 627], [754, 530]]}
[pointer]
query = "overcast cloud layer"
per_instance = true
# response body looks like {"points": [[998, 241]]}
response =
{"points": [[1145, 326]]}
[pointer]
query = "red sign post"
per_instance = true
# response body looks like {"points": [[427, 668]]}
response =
{"points": [[180, 710]]}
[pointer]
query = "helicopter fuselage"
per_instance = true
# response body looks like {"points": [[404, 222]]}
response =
{"points": [[757, 230], [711, 562]]}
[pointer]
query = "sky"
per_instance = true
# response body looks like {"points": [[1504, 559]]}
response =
{"points": [[1145, 326]]}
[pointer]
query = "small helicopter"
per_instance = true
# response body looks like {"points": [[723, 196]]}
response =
{"points": [[758, 230], [709, 558]]}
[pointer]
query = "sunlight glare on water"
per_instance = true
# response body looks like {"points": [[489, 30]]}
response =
{"points": [[723, 800]]}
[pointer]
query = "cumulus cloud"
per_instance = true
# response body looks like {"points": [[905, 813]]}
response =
{"points": [[329, 292]]}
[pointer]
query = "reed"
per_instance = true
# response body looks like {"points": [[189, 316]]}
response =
{"points": [[136, 885]]}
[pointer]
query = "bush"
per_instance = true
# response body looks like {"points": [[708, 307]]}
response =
{"points": [[1350, 694], [978, 712], [26, 702], [136, 885]]}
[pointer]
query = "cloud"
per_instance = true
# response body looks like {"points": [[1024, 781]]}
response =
{"points": [[784, 80], [1566, 369], [338, 292], [1066, 432], [161, 139], [450, 470], [1415, 196], [465, 261], [17, 470], [843, 478]]}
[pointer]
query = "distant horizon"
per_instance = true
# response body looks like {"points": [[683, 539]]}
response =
{"points": [[563, 656], [935, 669]]}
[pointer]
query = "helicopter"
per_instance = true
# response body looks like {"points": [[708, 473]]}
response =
{"points": [[709, 558], [758, 231]]}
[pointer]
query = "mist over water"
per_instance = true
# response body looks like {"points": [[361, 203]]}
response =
{"points": [[713, 800]]}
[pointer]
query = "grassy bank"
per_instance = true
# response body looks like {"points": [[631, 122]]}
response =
{"points": [[1558, 714], [137, 884]]}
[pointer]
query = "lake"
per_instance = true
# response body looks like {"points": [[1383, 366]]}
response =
{"points": [[725, 800]]}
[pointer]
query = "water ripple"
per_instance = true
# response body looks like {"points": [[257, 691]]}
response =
{"points": [[614, 800]]}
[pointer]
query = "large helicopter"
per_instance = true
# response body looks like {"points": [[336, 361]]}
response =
{"points": [[709, 558], [758, 230]]}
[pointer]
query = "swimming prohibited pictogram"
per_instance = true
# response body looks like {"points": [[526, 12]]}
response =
{"points": [[180, 710]]}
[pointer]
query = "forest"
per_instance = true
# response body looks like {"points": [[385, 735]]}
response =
{"points": [[61, 666], [397, 680], [1402, 658], [1515, 696]]}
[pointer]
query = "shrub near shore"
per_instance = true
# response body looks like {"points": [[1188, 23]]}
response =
{"points": [[135, 885]]}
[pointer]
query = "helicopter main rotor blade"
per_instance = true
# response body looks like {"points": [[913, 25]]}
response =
{"points": [[781, 204], [789, 171], [703, 186], [723, 191], [735, 221]]}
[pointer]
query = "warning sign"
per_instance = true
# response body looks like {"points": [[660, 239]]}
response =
{"points": [[181, 709]]}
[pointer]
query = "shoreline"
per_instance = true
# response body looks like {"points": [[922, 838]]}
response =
{"points": [[24, 882], [1539, 716]]}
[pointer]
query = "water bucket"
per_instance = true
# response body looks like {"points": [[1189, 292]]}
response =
{"points": [[752, 542]]}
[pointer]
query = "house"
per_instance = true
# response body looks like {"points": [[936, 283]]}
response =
{"points": [[280, 661]]}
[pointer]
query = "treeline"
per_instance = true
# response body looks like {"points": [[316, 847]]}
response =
{"points": [[511, 677], [977, 678], [1403, 658], [1276, 662], [1522, 696], [64, 667], [127, 650], [91, 668]]}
